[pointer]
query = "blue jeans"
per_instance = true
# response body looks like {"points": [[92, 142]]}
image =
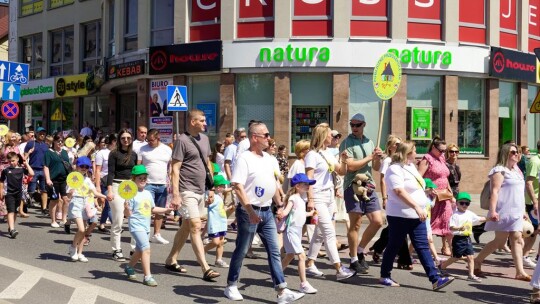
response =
{"points": [[106, 212], [268, 233], [398, 229], [159, 193], [39, 176]]}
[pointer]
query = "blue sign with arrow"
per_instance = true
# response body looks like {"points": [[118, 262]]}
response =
{"points": [[10, 91], [177, 98], [14, 72]]}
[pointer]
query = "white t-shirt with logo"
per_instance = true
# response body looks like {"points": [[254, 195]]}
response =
{"points": [[321, 166], [256, 173], [156, 161], [464, 219]]}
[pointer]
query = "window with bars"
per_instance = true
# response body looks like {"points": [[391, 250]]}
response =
{"points": [[92, 45], [32, 55], [61, 52]]}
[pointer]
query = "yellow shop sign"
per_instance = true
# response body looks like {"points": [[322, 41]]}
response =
{"points": [[69, 86]]}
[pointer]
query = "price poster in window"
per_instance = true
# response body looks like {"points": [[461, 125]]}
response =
{"points": [[421, 123]]}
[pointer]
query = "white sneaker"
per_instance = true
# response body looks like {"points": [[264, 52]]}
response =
{"points": [[157, 238], [289, 296], [307, 288], [55, 225], [344, 273], [528, 262], [82, 258], [232, 293], [221, 264], [74, 257], [313, 271]]}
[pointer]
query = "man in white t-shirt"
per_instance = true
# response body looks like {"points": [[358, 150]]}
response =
{"points": [[255, 185], [156, 157], [230, 151], [141, 139]]}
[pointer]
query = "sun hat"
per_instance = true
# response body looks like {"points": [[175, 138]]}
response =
{"points": [[84, 161], [463, 196], [138, 170], [301, 178]]}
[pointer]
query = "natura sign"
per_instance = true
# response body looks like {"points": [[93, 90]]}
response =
{"points": [[423, 57], [294, 54]]}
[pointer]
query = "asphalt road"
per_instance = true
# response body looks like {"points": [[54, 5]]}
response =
{"points": [[34, 268]]}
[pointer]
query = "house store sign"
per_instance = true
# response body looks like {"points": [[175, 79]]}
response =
{"points": [[507, 64]]}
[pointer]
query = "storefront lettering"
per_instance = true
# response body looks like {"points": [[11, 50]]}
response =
{"points": [[423, 57], [291, 53], [127, 71], [159, 84], [192, 57], [62, 87], [519, 66], [37, 90]]}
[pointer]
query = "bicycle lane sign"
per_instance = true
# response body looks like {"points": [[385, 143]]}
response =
{"points": [[14, 72]]}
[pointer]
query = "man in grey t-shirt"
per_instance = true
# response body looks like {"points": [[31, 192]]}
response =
{"points": [[188, 187]]}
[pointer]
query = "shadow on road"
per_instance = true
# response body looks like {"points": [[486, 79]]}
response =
{"points": [[501, 294]]}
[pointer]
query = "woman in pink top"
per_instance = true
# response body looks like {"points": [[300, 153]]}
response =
{"points": [[10, 143], [433, 166]]}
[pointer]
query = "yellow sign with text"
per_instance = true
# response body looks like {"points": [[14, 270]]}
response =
{"points": [[387, 76], [70, 86], [535, 107]]}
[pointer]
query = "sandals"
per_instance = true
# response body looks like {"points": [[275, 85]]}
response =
{"points": [[523, 277], [210, 275], [405, 267], [342, 247], [534, 297], [446, 251], [175, 268]]}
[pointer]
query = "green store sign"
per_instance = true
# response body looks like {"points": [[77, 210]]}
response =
{"points": [[36, 90], [418, 56], [298, 54]]}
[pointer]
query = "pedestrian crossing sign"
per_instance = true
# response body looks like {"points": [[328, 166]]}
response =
{"points": [[177, 98]]}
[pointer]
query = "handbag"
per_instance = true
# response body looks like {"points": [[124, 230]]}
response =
{"points": [[443, 195], [67, 166], [209, 179]]}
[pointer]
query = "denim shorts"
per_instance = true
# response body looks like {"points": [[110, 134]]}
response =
{"points": [[76, 209], [216, 235], [141, 240], [159, 193], [361, 207]]}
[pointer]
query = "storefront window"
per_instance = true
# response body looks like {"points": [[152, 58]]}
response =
{"points": [[424, 92], [507, 111], [162, 22], [260, 108], [311, 101], [470, 119], [61, 117], [95, 112], [204, 95], [364, 100], [533, 121]]}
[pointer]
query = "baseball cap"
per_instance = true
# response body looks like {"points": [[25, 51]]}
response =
{"points": [[138, 170], [430, 183], [301, 178], [41, 129], [359, 117], [463, 196], [219, 180], [335, 133], [84, 161]]}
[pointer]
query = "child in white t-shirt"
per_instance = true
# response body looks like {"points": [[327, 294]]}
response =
{"points": [[217, 221], [295, 213], [77, 212], [461, 224]]}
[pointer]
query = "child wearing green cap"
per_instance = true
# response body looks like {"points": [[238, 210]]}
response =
{"points": [[217, 221], [139, 211], [461, 224]]}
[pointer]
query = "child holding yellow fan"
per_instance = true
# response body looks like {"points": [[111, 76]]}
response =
{"points": [[79, 195]]}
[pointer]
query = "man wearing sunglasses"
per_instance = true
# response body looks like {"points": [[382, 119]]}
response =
{"points": [[363, 156]]}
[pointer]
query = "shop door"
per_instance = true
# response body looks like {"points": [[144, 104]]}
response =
{"points": [[127, 111]]}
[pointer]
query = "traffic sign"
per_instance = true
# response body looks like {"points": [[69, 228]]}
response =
{"points": [[14, 72], [10, 91], [535, 107], [10, 110], [177, 98]]}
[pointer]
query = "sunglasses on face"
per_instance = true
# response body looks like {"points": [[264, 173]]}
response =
{"points": [[453, 151], [84, 167], [357, 125], [265, 135], [440, 150], [513, 152], [125, 138], [464, 203]]}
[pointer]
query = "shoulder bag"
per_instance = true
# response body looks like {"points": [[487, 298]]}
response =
{"points": [[209, 179]]}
